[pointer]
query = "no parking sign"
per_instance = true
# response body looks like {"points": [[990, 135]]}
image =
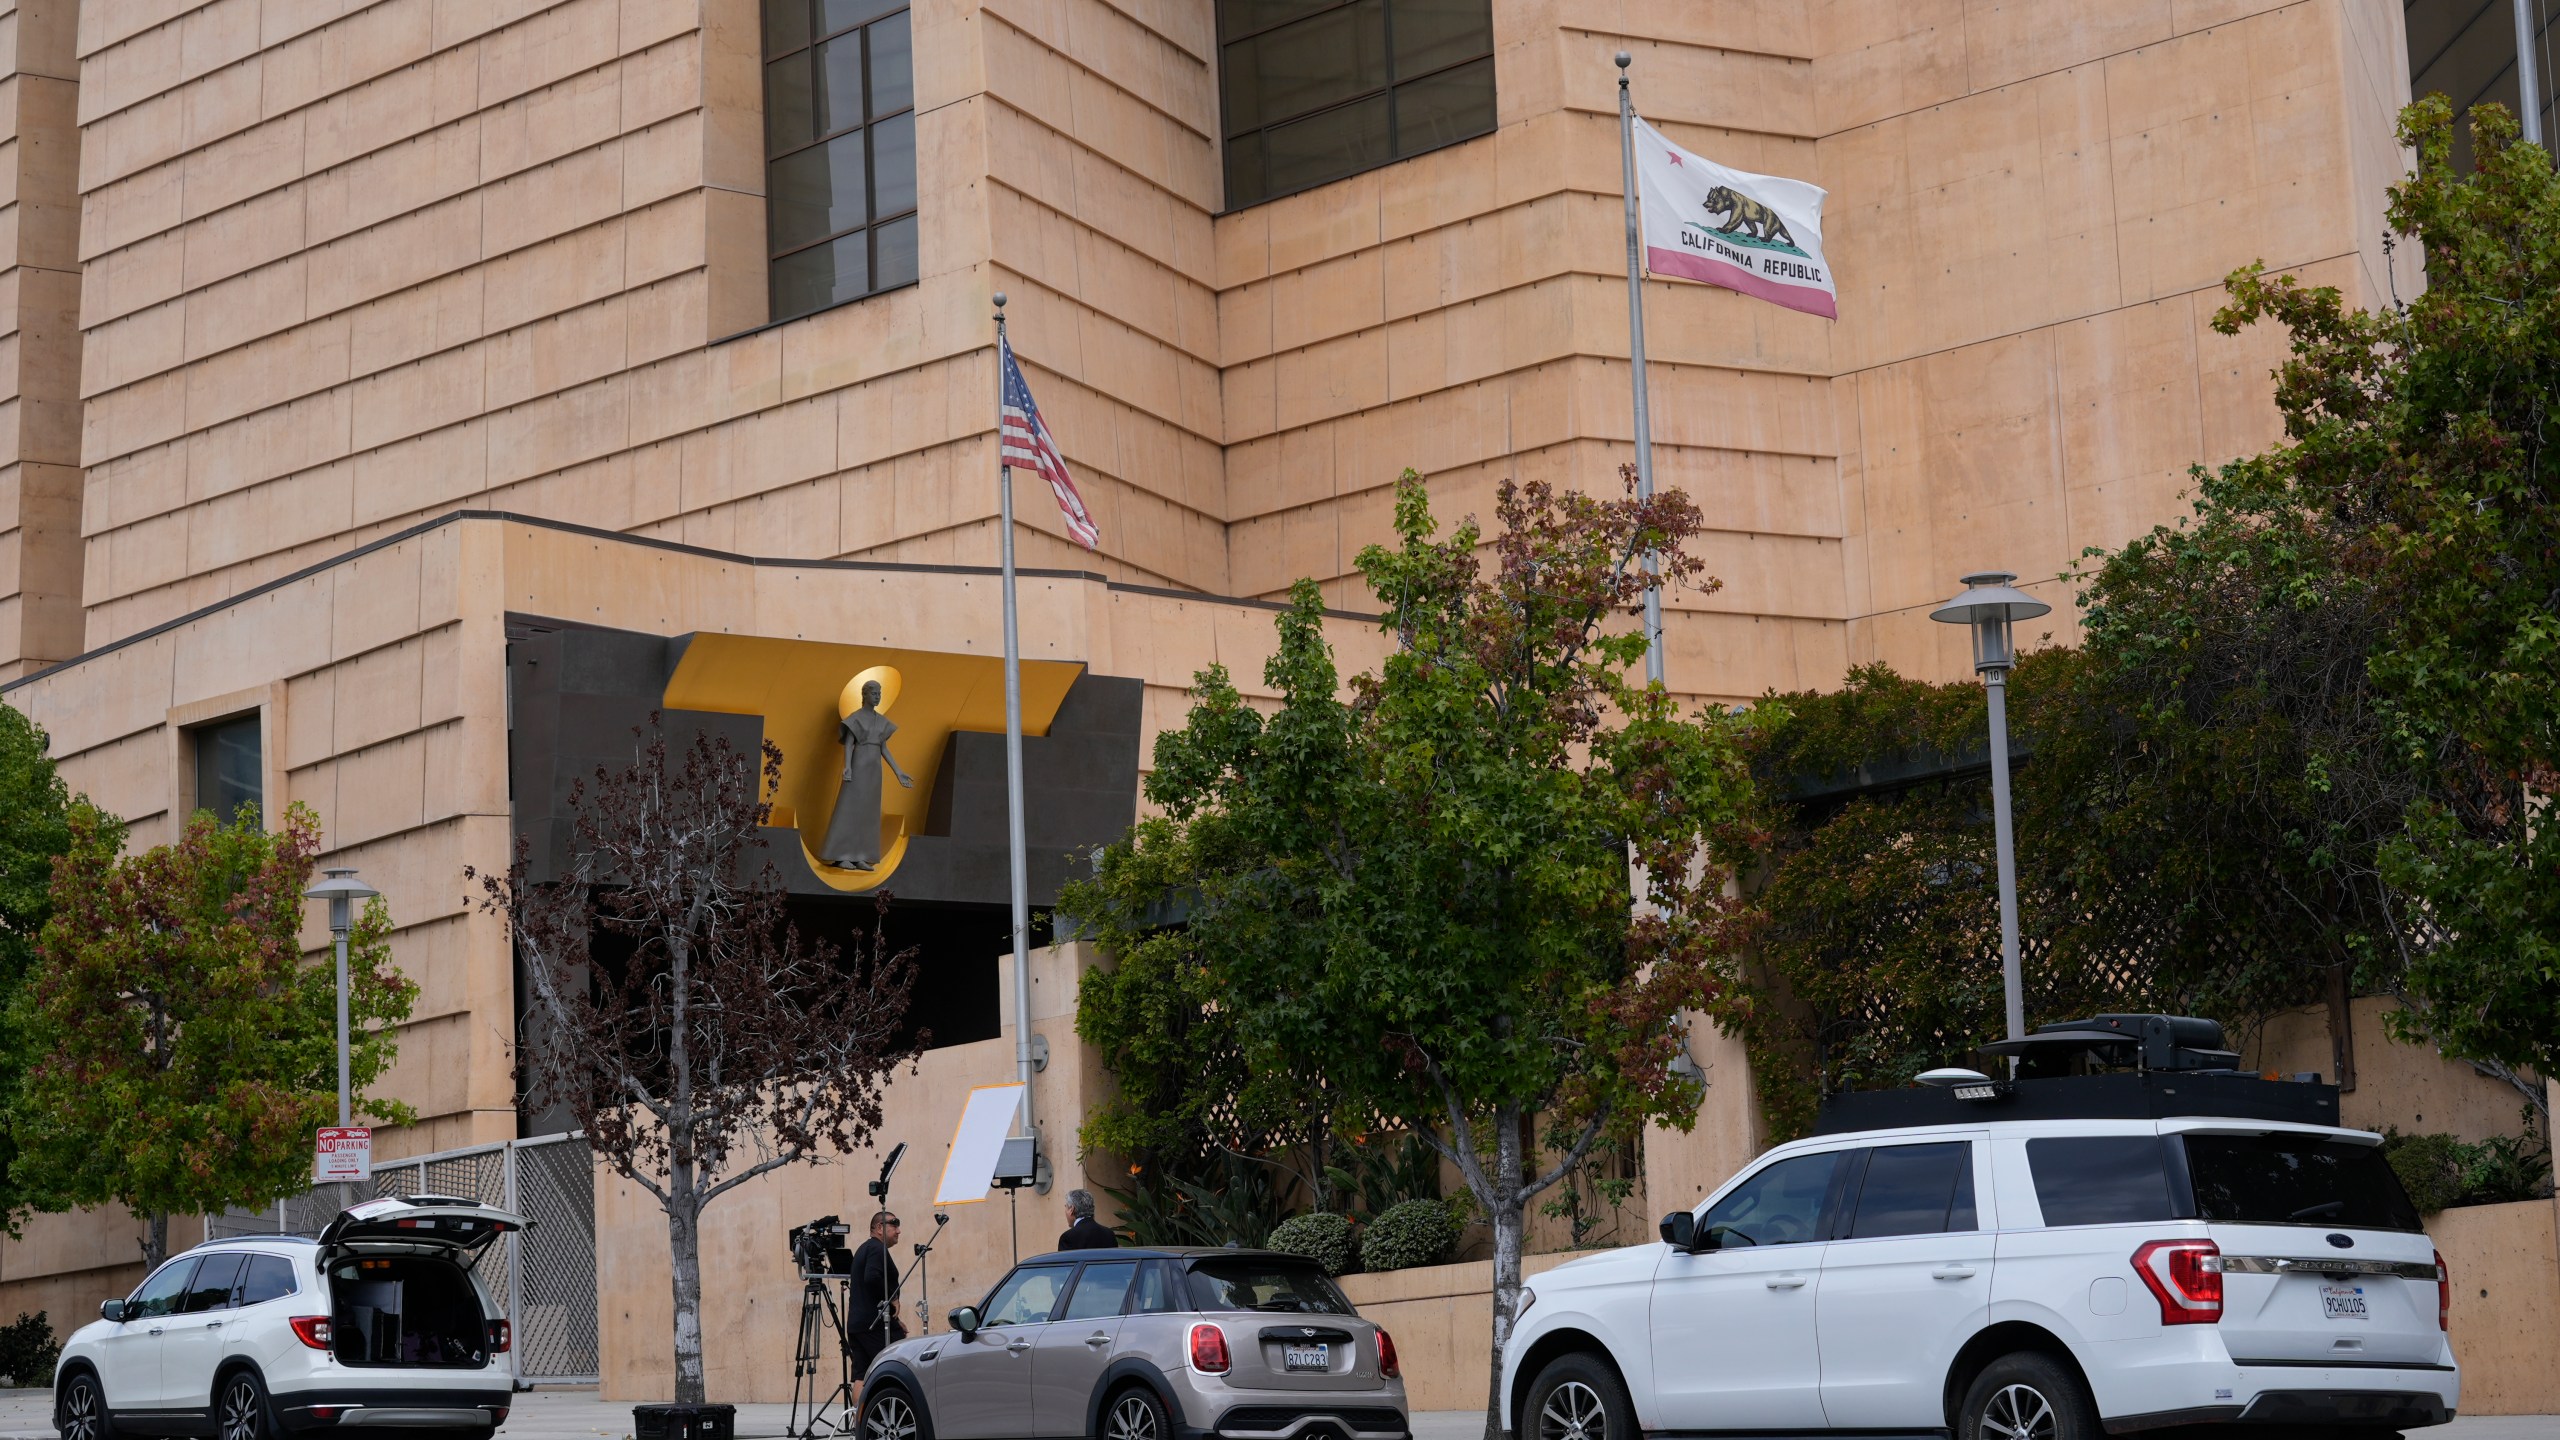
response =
{"points": [[342, 1153]]}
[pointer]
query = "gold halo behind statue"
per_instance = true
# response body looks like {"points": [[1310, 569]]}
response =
{"points": [[850, 699]]}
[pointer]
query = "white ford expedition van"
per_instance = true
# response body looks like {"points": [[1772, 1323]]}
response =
{"points": [[2056, 1257], [382, 1323]]}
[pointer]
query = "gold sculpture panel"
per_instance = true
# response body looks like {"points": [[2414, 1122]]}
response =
{"points": [[808, 693]]}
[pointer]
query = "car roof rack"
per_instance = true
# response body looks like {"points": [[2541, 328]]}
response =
{"points": [[2107, 1067], [2132, 1095]]}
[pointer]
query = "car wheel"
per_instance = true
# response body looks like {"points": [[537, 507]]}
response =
{"points": [[889, 1413], [240, 1408], [1136, 1414], [1578, 1397], [81, 1413], [2027, 1396]]}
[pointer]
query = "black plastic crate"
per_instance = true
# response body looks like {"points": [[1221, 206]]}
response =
{"points": [[684, 1422]]}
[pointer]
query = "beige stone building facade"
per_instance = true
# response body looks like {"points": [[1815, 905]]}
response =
{"points": [[348, 343]]}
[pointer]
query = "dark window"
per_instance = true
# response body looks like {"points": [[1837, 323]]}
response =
{"points": [[230, 770], [2100, 1179], [840, 148], [1027, 1296], [1313, 90], [159, 1295], [1781, 1205], [1911, 1190], [2281, 1179], [211, 1288], [1101, 1290], [1159, 1290], [269, 1277], [1275, 1285]]}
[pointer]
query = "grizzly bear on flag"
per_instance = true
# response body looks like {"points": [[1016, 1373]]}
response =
{"points": [[1749, 216]]}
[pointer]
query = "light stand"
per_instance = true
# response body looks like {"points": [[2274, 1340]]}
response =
{"points": [[1017, 1165], [924, 1275], [880, 1188], [1990, 606]]}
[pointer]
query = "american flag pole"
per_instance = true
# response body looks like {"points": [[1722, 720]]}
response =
{"points": [[1013, 753]]}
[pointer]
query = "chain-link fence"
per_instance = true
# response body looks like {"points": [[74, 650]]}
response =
{"points": [[544, 1277]]}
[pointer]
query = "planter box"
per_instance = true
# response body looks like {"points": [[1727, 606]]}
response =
{"points": [[2506, 1304]]}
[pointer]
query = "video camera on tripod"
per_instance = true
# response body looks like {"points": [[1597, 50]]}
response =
{"points": [[818, 1248]]}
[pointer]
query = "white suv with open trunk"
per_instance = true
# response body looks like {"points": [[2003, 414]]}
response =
{"points": [[2040, 1259], [381, 1323]]}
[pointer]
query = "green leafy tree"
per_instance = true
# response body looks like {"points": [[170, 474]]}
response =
{"points": [[2419, 449], [185, 1047], [1417, 886], [35, 828], [2306, 747]]}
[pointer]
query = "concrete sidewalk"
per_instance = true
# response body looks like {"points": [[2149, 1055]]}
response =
{"points": [[580, 1415]]}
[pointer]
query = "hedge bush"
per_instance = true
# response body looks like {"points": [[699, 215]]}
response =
{"points": [[1322, 1237], [2441, 1171], [1409, 1233], [28, 1350]]}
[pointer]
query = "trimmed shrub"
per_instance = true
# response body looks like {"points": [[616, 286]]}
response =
{"points": [[2441, 1171], [28, 1350], [1409, 1233], [1320, 1236]]}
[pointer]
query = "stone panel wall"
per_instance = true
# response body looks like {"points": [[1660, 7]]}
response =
{"points": [[39, 337], [2035, 208]]}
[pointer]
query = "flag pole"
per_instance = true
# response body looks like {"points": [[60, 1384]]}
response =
{"points": [[1013, 752], [1635, 354]]}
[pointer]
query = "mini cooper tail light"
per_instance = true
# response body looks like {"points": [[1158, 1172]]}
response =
{"points": [[1387, 1365], [2444, 1295], [502, 1336], [2185, 1276], [312, 1330], [1209, 1350]]}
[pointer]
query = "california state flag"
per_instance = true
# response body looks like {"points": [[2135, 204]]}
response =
{"points": [[1759, 234]]}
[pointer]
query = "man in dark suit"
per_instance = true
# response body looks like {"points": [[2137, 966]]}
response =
{"points": [[1083, 1232], [871, 1295]]}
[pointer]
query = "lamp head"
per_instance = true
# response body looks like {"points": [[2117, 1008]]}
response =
{"points": [[1990, 604], [340, 887]]}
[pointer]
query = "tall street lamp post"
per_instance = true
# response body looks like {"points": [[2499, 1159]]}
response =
{"points": [[342, 890], [1990, 605]]}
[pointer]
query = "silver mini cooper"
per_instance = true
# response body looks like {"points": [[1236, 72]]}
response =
{"points": [[1157, 1344]]}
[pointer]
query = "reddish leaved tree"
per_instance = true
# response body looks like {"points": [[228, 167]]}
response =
{"points": [[695, 1034]]}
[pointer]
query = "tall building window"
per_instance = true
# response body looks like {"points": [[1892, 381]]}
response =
{"points": [[1313, 90], [840, 148], [230, 766]]}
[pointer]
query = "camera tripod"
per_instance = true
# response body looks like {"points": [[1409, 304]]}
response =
{"points": [[823, 1308]]}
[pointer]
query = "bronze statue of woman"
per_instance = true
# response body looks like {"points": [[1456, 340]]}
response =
{"points": [[853, 830]]}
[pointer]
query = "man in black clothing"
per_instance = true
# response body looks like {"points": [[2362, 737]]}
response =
{"points": [[871, 1297], [1083, 1232]]}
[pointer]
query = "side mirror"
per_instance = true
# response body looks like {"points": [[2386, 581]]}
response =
{"points": [[1680, 1230], [965, 1320], [111, 1310]]}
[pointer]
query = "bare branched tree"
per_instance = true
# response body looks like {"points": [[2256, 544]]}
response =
{"points": [[696, 1035]]}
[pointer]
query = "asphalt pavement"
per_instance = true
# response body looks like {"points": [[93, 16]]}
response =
{"points": [[566, 1414]]}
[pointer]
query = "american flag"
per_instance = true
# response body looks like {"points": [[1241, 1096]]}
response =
{"points": [[1024, 440]]}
